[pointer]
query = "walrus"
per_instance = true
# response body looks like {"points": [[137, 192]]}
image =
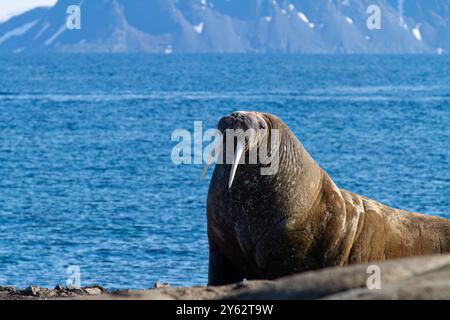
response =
{"points": [[297, 219]]}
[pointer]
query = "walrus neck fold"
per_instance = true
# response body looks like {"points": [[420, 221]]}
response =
{"points": [[298, 174]]}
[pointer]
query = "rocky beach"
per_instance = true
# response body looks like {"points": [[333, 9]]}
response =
{"points": [[421, 278]]}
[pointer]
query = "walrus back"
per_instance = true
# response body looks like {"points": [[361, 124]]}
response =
{"points": [[387, 233]]}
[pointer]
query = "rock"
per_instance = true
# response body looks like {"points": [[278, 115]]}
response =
{"points": [[31, 291], [413, 278], [240, 285], [59, 288], [8, 290], [159, 285], [58, 292], [94, 291]]}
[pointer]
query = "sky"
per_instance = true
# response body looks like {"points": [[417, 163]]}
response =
{"points": [[9, 8]]}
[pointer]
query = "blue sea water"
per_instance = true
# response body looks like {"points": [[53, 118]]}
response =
{"points": [[86, 177]]}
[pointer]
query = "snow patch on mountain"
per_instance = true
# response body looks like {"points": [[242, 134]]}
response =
{"points": [[199, 28], [416, 33], [17, 31]]}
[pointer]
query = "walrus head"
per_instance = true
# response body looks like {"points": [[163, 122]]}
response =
{"points": [[261, 143], [247, 130]]}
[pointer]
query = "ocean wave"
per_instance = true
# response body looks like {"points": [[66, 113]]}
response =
{"points": [[313, 95]]}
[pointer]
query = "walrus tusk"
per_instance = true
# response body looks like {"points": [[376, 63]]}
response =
{"points": [[204, 170], [210, 159], [237, 159]]}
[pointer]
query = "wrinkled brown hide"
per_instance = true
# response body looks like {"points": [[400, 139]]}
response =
{"points": [[266, 227]]}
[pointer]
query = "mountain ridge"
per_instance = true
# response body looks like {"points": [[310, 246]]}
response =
{"points": [[233, 26]]}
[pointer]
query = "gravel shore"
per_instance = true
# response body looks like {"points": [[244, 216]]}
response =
{"points": [[413, 278]]}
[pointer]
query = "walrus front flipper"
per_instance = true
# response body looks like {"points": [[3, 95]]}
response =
{"points": [[221, 270]]}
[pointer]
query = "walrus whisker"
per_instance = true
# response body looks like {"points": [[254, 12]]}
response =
{"points": [[239, 152]]}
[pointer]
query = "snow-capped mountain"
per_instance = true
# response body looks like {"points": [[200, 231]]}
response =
{"points": [[178, 26]]}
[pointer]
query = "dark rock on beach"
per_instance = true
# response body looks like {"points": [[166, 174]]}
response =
{"points": [[38, 293], [413, 278]]}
